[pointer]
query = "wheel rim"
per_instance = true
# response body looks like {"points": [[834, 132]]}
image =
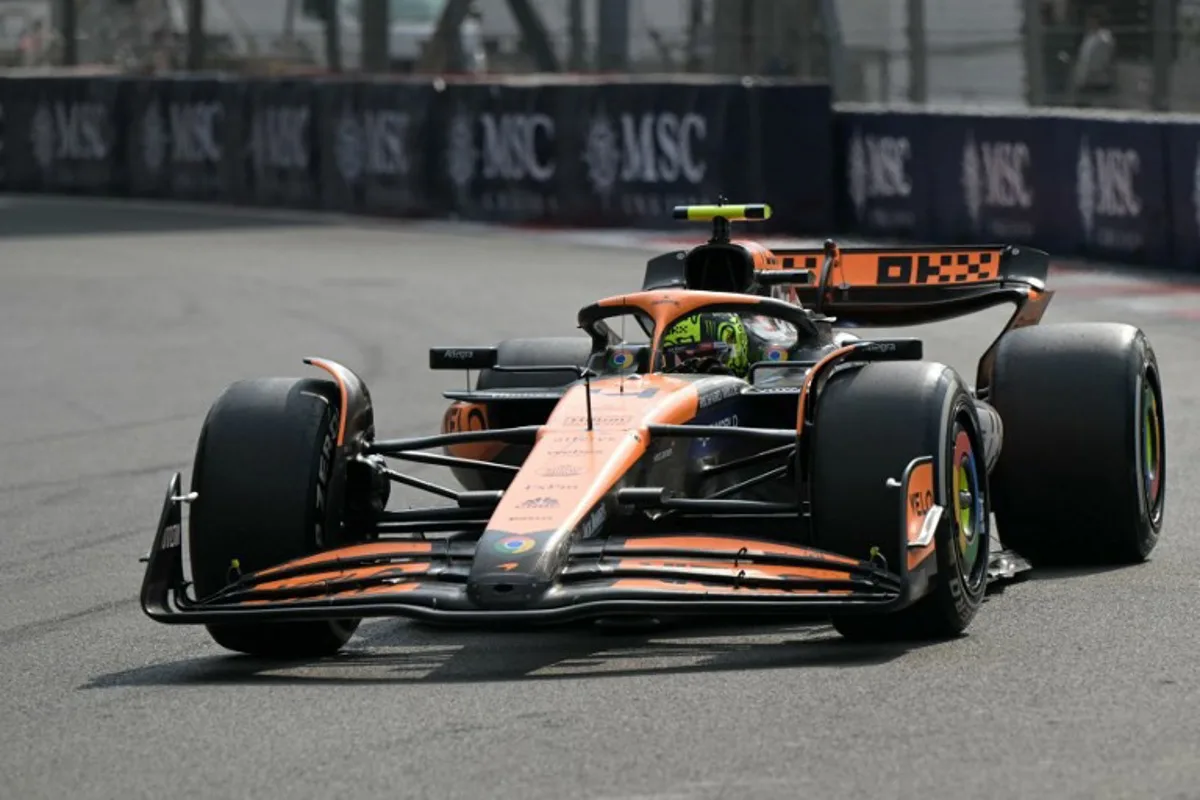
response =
{"points": [[1151, 447], [969, 508]]}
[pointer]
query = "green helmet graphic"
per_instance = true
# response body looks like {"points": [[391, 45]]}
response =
{"points": [[707, 337]]}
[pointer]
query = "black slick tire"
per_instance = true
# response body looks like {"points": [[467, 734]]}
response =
{"points": [[871, 423], [1082, 473], [262, 474]]}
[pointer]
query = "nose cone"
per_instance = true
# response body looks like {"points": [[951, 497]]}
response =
{"points": [[558, 496]]}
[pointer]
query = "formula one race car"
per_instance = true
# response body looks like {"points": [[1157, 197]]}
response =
{"points": [[717, 443]]}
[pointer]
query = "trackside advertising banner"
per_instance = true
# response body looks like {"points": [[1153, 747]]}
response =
{"points": [[183, 138], [617, 152], [599, 152], [504, 153], [1075, 184], [1182, 156], [998, 180], [623, 153], [885, 174], [63, 135], [1121, 194]]}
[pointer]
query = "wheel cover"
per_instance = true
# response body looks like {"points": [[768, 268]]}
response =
{"points": [[1151, 448], [967, 502]]}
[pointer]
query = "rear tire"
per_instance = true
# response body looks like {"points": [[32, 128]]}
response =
{"points": [[1082, 472], [871, 423], [265, 495]]}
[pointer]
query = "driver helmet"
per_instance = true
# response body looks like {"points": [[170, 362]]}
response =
{"points": [[707, 338]]}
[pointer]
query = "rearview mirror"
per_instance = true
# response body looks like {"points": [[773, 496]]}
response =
{"points": [[462, 357]]}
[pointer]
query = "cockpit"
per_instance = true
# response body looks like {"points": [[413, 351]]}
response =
{"points": [[717, 340], [709, 317]]}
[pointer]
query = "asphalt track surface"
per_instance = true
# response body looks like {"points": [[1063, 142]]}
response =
{"points": [[120, 324]]}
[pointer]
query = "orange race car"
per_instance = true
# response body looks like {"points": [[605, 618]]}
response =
{"points": [[716, 443]]}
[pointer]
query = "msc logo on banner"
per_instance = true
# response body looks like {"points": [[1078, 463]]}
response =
{"points": [[187, 134], [995, 176], [508, 149], [1106, 186], [69, 132], [372, 143], [503, 150], [651, 149], [279, 137], [879, 169]]}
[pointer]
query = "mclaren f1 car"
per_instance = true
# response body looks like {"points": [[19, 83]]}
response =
{"points": [[723, 441]]}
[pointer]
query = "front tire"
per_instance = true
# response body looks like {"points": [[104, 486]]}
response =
{"points": [[871, 423], [267, 493], [1082, 472]]}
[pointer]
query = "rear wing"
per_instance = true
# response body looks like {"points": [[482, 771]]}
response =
{"points": [[864, 286], [898, 286], [888, 286], [923, 265], [884, 286], [873, 286]]}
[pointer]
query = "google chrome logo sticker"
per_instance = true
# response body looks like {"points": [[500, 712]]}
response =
{"points": [[515, 545]]}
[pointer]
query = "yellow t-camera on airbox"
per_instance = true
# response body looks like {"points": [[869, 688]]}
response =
{"points": [[721, 215], [742, 213]]}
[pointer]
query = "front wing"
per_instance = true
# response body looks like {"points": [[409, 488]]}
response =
{"points": [[427, 579]]}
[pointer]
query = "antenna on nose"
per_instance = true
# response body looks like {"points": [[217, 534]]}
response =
{"points": [[587, 394]]}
